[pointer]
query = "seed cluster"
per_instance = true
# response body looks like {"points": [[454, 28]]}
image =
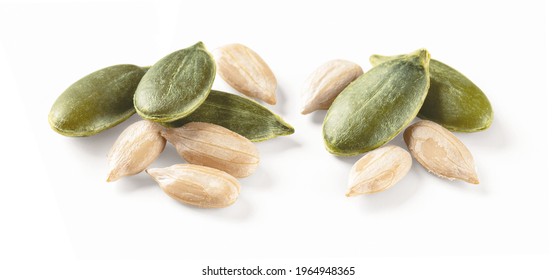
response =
{"points": [[212, 130], [373, 108]]}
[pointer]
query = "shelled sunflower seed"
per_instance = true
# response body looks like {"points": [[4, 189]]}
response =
{"points": [[244, 70], [326, 82], [135, 149], [440, 152], [214, 146], [197, 185]]}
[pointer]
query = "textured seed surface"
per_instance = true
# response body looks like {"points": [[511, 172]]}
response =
{"points": [[96, 102], [245, 71], [241, 115], [326, 82], [197, 185], [214, 146], [176, 85], [378, 170], [135, 149], [440, 152], [375, 107], [453, 101]]}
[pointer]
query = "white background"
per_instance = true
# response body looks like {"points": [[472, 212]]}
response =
{"points": [[60, 218]]}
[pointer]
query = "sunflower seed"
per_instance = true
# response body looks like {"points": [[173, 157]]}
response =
{"points": [[197, 185], [325, 83], [440, 152], [378, 170], [214, 146], [136, 147], [245, 71]]}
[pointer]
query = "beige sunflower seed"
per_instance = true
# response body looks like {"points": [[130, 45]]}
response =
{"points": [[245, 71], [440, 152], [326, 82], [197, 185], [378, 170], [214, 146], [137, 147]]}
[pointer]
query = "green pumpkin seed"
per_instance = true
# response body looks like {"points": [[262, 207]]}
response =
{"points": [[453, 101], [176, 85], [375, 107], [240, 115], [96, 102]]}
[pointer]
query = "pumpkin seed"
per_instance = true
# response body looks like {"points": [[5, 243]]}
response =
{"points": [[176, 85], [241, 115], [96, 102], [375, 107], [453, 101]]}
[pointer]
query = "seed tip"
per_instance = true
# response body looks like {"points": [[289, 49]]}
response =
{"points": [[272, 100], [112, 176], [474, 180], [351, 193]]}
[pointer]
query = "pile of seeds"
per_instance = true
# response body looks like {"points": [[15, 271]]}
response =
{"points": [[367, 110], [212, 130]]}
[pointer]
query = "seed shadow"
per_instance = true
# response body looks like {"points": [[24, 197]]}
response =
{"points": [[351, 160], [317, 117], [280, 107], [462, 186], [398, 141], [458, 185], [168, 157], [496, 137], [135, 183], [241, 210], [279, 144], [397, 195], [260, 179]]}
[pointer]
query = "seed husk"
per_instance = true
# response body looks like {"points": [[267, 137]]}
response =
{"points": [[214, 146], [241, 115], [135, 149], [375, 107], [453, 101], [96, 102], [176, 85], [378, 170], [197, 185], [244, 70], [440, 152], [326, 82]]}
